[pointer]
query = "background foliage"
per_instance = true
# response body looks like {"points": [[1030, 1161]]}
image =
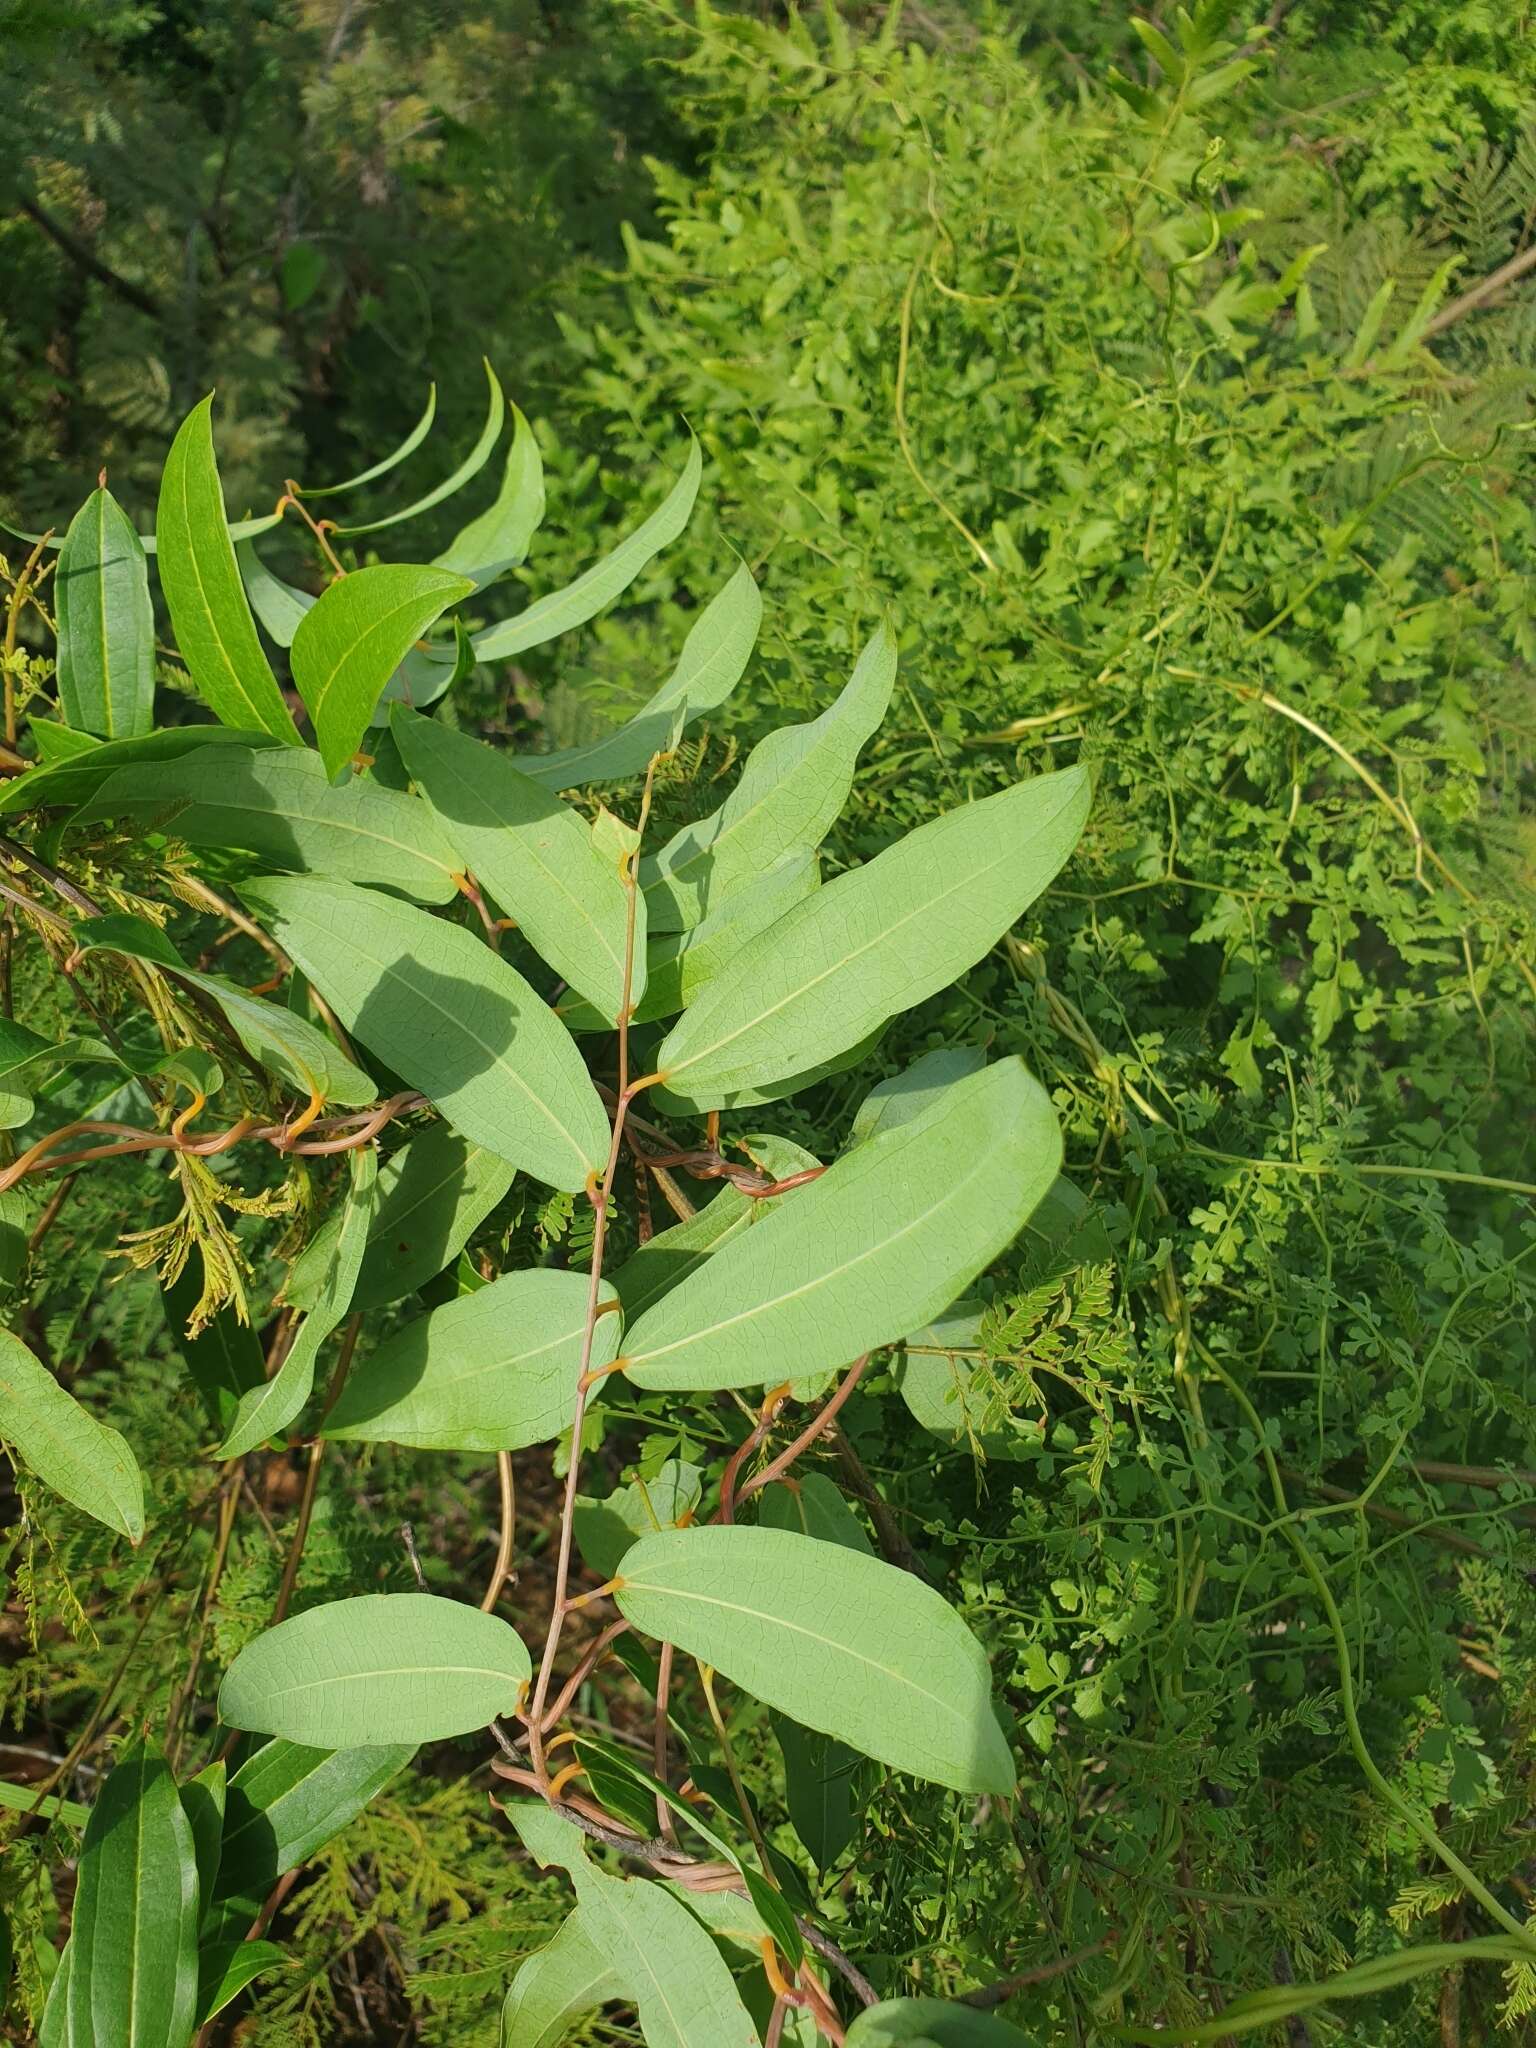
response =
{"points": [[1108, 400]]}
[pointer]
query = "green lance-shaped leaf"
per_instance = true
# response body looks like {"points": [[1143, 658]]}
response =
{"points": [[876, 941], [349, 645], [433, 1194], [225, 1968], [793, 786], [713, 660], [57, 742], [933, 2023], [471, 466], [536, 856], [666, 1961], [224, 1358], [269, 1408], [278, 605], [274, 1036], [451, 1018], [71, 780], [914, 1090], [381, 1668], [201, 580], [203, 1798], [668, 1258], [557, 1986], [498, 539], [282, 808], [882, 1242], [492, 1371], [133, 1972], [562, 610], [679, 964], [396, 456], [605, 1529], [80, 1458], [284, 1803], [106, 623], [840, 1642]]}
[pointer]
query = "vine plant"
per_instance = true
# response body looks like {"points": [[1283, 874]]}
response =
{"points": [[446, 949]]}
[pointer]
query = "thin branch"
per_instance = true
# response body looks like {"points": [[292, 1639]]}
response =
{"points": [[87, 261], [503, 1568], [1495, 282]]}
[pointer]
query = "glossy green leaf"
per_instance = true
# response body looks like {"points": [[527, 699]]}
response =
{"points": [[498, 539], [80, 1458], [381, 1668], [74, 779], [133, 1973], [555, 1987], [287, 1801], [793, 786], [350, 643], [667, 1963], [269, 1408], [537, 857], [396, 456], [561, 610], [106, 624], [433, 1194], [471, 466], [202, 1799], [678, 964], [839, 1641], [669, 1257], [206, 599], [932, 2023], [278, 605], [53, 2027], [491, 1371], [274, 1036], [605, 1529], [225, 1968], [914, 1090], [451, 1018], [57, 742], [282, 808], [224, 1358], [876, 941], [882, 1242], [713, 660]]}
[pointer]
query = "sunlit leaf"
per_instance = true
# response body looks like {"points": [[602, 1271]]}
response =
{"points": [[408, 446], [498, 539], [558, 1984], [106, 624], [605, 1529], [65, 1445], [74, 778]]}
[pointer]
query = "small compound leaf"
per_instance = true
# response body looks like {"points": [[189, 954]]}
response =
{"points": [[282, 808], [133, 1972], [498, 539], [561, 610], [471, 466], [555, 1987], [876, 941], [840, 1642], [539, 859], [714, 658], [932, 2023], [72, 779], [381, 1668], [793, 786], [203, 591], [451, 1018], [494, 1370], [80, 1458], [882, 1242], [106, 624], [434, 1193], [351, 642]]}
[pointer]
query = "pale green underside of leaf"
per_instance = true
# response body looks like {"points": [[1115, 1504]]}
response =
{"points": [[451, 1018], [554, 1988], [913, 1091], [106, 624], [278, 605], [793, 786], [535, 855], [203, 591], [282, 808], [433, 1194], [494, 1370], [266, 1409], [714, 658], [350, 643], [380, 1668], [882, 1242], [667, 1963], [561, 610], [133, 1970], [931, 2023], [73, 779], [876, 941], [840, 1641], [80, 1458], [498, 539]]}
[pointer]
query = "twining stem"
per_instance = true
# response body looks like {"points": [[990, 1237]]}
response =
{"points": [[601, 1196], [808, 1435]]}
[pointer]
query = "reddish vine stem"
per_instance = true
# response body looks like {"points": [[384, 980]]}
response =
{"points": [[809, 1434], [502, 1570]]}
